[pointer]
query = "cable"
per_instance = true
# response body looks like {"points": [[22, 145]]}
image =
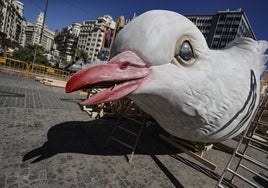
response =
{"points": [[74, 5], [36, 5]]}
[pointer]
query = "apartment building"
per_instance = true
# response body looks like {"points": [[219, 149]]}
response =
{"points": [[96, 37], [12, 24], [218, 30], [34, 32], [203, 22], [223, 27], [66, 40]]}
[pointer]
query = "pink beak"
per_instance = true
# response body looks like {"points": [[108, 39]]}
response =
{"points": [[121, 75]]}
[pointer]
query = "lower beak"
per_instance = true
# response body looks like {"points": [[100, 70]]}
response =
{"points": [[123, 74]]}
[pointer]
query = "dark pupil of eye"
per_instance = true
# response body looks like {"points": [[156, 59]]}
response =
{"points": [[186, 51]]}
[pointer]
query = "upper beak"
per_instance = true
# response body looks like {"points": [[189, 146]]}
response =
{"points": [[122, 73]]}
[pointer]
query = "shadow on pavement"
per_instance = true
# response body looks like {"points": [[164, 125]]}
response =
{"points": [[261, 181], [171, 177], [89, 137], [10, 94], [203, 170]]}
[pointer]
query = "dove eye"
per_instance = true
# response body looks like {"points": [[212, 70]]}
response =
{"points": [[184, 53]]}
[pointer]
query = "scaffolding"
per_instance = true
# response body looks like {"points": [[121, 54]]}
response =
{"points": [[134, 133], [245, 169]]}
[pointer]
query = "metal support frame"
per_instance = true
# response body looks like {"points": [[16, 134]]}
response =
{"points": [[252, 139], [135, 134]]}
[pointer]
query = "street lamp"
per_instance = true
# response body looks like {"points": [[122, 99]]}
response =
{"points": [[41, 34], [43, 24]]}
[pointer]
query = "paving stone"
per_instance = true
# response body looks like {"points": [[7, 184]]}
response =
{"points": [[47, 141]]}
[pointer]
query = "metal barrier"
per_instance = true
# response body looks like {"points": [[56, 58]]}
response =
{"points": [[33, 69], [2, 60]]}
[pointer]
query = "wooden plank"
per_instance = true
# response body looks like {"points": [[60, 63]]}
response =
{"points": [[200, 159], [57, 84], [224, 147], [81, 92], [51, 81], [39, 78]]}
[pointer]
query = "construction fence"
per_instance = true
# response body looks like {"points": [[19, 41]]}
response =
{"points": [[33, 69]]}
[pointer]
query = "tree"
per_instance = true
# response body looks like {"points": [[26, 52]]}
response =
{"points": [[81, 54], [28, 52]]}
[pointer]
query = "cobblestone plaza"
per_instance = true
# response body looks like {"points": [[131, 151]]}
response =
{"points": [[48, 141]]}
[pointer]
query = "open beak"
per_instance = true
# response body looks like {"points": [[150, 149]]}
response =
{"points": [[121, 76]]}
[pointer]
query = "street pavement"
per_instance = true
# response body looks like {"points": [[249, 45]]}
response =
{"points": [[46, 140]]}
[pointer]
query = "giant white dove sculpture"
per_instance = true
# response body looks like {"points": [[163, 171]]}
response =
{"points": [[162, 62]]}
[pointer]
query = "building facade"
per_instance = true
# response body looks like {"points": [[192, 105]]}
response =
{"points": [[34, 33], [223, 27], [203, 22], [96, 37], [66, 41], [12, 24]]}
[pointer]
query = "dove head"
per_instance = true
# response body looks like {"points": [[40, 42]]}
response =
{"points": [[155, 38], [162, 62]]}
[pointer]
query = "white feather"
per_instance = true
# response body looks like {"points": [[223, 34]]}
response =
{"points": [[202, 102]]}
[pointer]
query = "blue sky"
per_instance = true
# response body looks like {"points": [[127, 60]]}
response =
{"points": [[62, 13]]}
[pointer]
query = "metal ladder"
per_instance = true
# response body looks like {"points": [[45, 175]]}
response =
{"points": [[245, 169], [135, 135]]}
